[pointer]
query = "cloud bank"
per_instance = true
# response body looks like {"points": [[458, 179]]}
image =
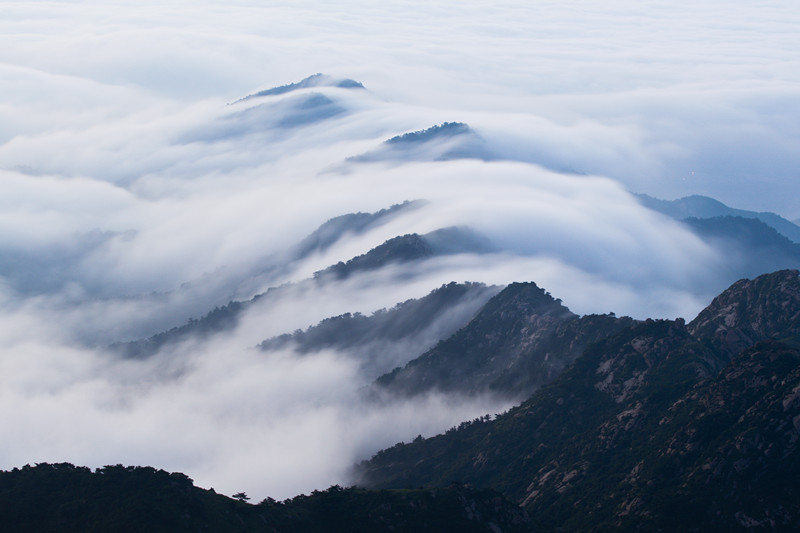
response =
{"points": [[136, 192]]}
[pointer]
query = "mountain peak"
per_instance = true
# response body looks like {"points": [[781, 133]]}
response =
{"points": [[703, 207], [315, 80], [352, 223], [521, 339], [398, 249], [752, 310], [442, 142], [444, 130]]}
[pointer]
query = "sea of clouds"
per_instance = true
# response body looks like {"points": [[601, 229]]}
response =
{"points": [[136, 192]]}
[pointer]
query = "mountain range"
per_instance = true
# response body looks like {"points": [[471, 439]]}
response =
{"points": [[703, 207], [750, 247], [663, 425], [654, 425], [521, 339], [609, 422]]}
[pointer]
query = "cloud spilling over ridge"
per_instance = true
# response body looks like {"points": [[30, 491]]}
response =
{"points": [[201, 215], [233, 417], [147, 250], [588, 223], [230, 416], [133, 197]]}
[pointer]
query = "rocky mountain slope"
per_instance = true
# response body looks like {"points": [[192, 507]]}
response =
{"points": [[752, 310], [656, 425], [521, 339], [662, 426]]}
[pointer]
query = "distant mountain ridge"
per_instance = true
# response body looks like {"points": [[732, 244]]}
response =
{"points": [[390, 337], [749, 246], [338, 227], [409, 247], [697, 206], [315, 80], [442, 131], [270, 119], [442, 142], [402, 249], [752, 243], [263, 114]]}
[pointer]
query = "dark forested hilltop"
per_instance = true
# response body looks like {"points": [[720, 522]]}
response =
{"points": [[65, 498]]}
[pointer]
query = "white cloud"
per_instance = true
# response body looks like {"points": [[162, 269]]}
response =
{"points": [[124, 209], [273, 424]]}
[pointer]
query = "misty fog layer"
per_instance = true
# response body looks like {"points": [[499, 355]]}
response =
{"points": [[138, 190]]}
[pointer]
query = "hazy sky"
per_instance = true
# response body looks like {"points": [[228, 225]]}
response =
{"points": [[133, 196], [670, 99]]}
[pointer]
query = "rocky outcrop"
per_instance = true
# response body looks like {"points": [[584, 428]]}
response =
{"points": [[750, 311]]}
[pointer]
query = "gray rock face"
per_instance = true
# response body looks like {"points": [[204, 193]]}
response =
{"points": [[750, 311]]}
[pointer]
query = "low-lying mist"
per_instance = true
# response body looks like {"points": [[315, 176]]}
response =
{"points": [[271, 423]]}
